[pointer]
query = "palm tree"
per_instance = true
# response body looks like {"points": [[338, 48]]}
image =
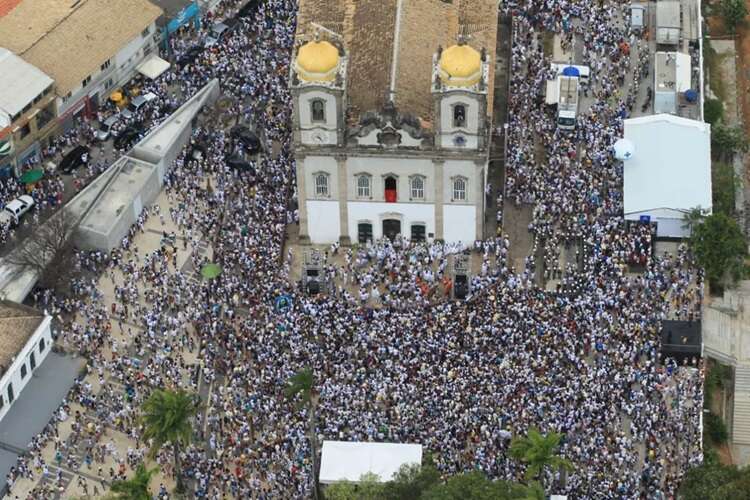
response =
{"points": [[532, 491], [301, 386], [135, 488], [166, 418], [539, 451]]}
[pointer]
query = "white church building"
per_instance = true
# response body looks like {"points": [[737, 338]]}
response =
{"points": [[391, 131]]}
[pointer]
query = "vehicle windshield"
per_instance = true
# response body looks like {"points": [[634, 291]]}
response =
{"points": [[566, 122]]}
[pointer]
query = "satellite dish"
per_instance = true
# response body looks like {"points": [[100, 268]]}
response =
{"points": [[624, 149]]}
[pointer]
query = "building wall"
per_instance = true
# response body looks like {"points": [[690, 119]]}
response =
{"points": [[459, 220], [376, 213], [121, 69], [318, 132], [459, 224], [13, 375], [29, 144], [323, 221]]}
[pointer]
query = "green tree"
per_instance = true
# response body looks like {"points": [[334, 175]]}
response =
{"points": [[715, 482], [715, 429], [727, 141], [412, 480], [166, 419], [713, 111], [733, 12], [538, 451], [368, 487], [532, 491], [301, 386], [719, 247], [724, 184], [471, 485], [135, 488]]}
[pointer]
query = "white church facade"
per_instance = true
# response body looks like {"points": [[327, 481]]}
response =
{"points": [[414, 166]]}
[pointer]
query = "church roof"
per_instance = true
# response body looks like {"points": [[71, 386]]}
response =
{"points": [[460, 66], [317, 61], [372, 37]]}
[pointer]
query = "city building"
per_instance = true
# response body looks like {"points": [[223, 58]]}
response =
{"points": [[25, 340], [28, 109], [726, 338], [668, 172], [176, 14], [88, 47], [392, 105]]}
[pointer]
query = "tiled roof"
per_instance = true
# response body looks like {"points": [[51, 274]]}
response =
{"points": [[70, 39], [368, 30], [17, 324]]}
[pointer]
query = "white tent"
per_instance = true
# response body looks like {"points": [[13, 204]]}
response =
{"points": [[153, 67], [670, 172], [349, 461], [624, 149]]}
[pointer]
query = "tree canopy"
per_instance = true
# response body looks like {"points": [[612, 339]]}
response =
{"points": [[716, 482], [135, 488], [538, 451], [719, 247], [733, 12]]}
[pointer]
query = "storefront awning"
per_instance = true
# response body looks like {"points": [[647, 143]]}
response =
{"points": [[153, 67]]}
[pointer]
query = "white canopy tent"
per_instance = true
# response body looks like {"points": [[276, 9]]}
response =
{"points": [[349, 461], [669, 172], [153, 67]]}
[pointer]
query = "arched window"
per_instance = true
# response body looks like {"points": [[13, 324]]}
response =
{"points": [[417, 187], [363, 186], [318, 110], [459, 115], [321, 184], [459, 189]]}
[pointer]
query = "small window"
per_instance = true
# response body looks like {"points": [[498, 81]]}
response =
{"points": [[105, 65], [24, 371], [42, 345], [364, 232], [363, 186], [459, 115], [24, 131], [459, 189], [321, 184], [11, 394], [146, 31], [67, 97], [318, 111], [86, 81], [417, 187], [2, 401]]}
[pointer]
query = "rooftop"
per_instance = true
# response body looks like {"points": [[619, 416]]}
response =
{"points": [[70, 39], [17, 324], [372, 38], [21, 82], [350, 460], [667, 179]]}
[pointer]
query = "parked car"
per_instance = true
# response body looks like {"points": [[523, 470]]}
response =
{"points": [[247, 138], [127, 137], [189, 56], [136, 104], [105, 128], [219, 31], [74, 159], [11, 214]]}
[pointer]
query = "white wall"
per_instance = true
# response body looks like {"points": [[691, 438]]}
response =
{"points": [[460, 224], [468, 169], [13, 375], [323, 221], [375, 213]]}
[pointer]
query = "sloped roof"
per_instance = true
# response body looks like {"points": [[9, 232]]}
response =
{"points": [[70, 39], [17, 324], [368, 30], [20, 82], [671, 165]]}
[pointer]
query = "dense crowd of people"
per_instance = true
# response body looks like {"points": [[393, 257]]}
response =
{"points": [[391, 362]]}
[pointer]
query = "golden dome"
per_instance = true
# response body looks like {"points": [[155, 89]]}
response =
{"points": [[317, 62], [460, 66]]}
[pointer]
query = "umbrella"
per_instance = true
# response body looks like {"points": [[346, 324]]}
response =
{"points": [[571, 71], [32, 176], [211, 271], [624, 149]]}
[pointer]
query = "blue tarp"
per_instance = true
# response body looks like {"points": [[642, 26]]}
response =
{"points": [[191, 13], [571, 71]]}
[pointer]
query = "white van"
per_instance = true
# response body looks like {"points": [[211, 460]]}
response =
{"points": [[137, 103]]}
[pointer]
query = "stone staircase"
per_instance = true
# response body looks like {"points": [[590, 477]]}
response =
{"points": [[741, 416]]}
